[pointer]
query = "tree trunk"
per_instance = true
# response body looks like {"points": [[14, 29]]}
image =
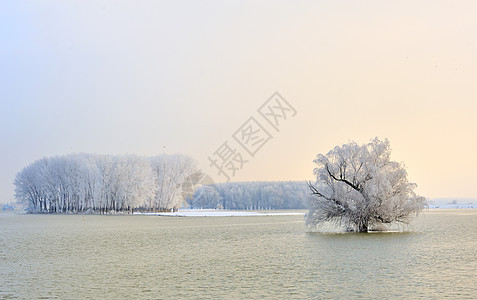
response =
{"points": [[363, 227]]}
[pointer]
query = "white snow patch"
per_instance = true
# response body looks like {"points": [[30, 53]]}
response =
{"points": [[221, 213], [452, 206]]}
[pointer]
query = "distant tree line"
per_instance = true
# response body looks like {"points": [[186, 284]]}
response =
{"points": [[79, 183], [257, 195], [104, 183]]}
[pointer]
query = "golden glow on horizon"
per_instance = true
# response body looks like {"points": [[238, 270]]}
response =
{"points": [[117, 77]]}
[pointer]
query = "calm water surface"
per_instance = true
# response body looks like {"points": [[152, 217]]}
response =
{"points": [[150, 257]]}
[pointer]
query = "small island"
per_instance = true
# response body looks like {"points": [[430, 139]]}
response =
{"points": [[361, 188], [107, 184]]}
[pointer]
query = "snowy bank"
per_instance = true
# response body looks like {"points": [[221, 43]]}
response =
{"points": [[452, 206], [223, 213]]}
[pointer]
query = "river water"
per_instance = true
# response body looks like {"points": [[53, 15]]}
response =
{"points": [[273, 257]]}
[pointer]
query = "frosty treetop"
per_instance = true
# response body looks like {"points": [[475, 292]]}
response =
{"points": [[360, 187]]}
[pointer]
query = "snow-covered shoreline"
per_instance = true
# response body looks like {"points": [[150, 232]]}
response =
{"points": [[452, 206], [222, 213], [233, 213], [246, 213]]}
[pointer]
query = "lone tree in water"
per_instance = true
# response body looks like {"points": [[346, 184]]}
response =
{"points": [[360, 187]]}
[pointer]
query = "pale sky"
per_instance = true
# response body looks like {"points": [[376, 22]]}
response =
{"points": [[152, 77]]}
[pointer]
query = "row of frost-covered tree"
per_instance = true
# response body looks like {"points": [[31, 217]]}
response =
{"points": [[104, 183], [79, 183], [251, 195]]}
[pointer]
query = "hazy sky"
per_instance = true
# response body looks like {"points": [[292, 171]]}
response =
{"points": [[149, 77]]}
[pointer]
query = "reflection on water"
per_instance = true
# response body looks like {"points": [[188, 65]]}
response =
{"points": [[122, 257]]}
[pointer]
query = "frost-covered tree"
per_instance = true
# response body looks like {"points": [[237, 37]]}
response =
{"points": [[172, 179], [102, 183], [251, 195], [30, 187], [206, 196], [361, 188]]}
